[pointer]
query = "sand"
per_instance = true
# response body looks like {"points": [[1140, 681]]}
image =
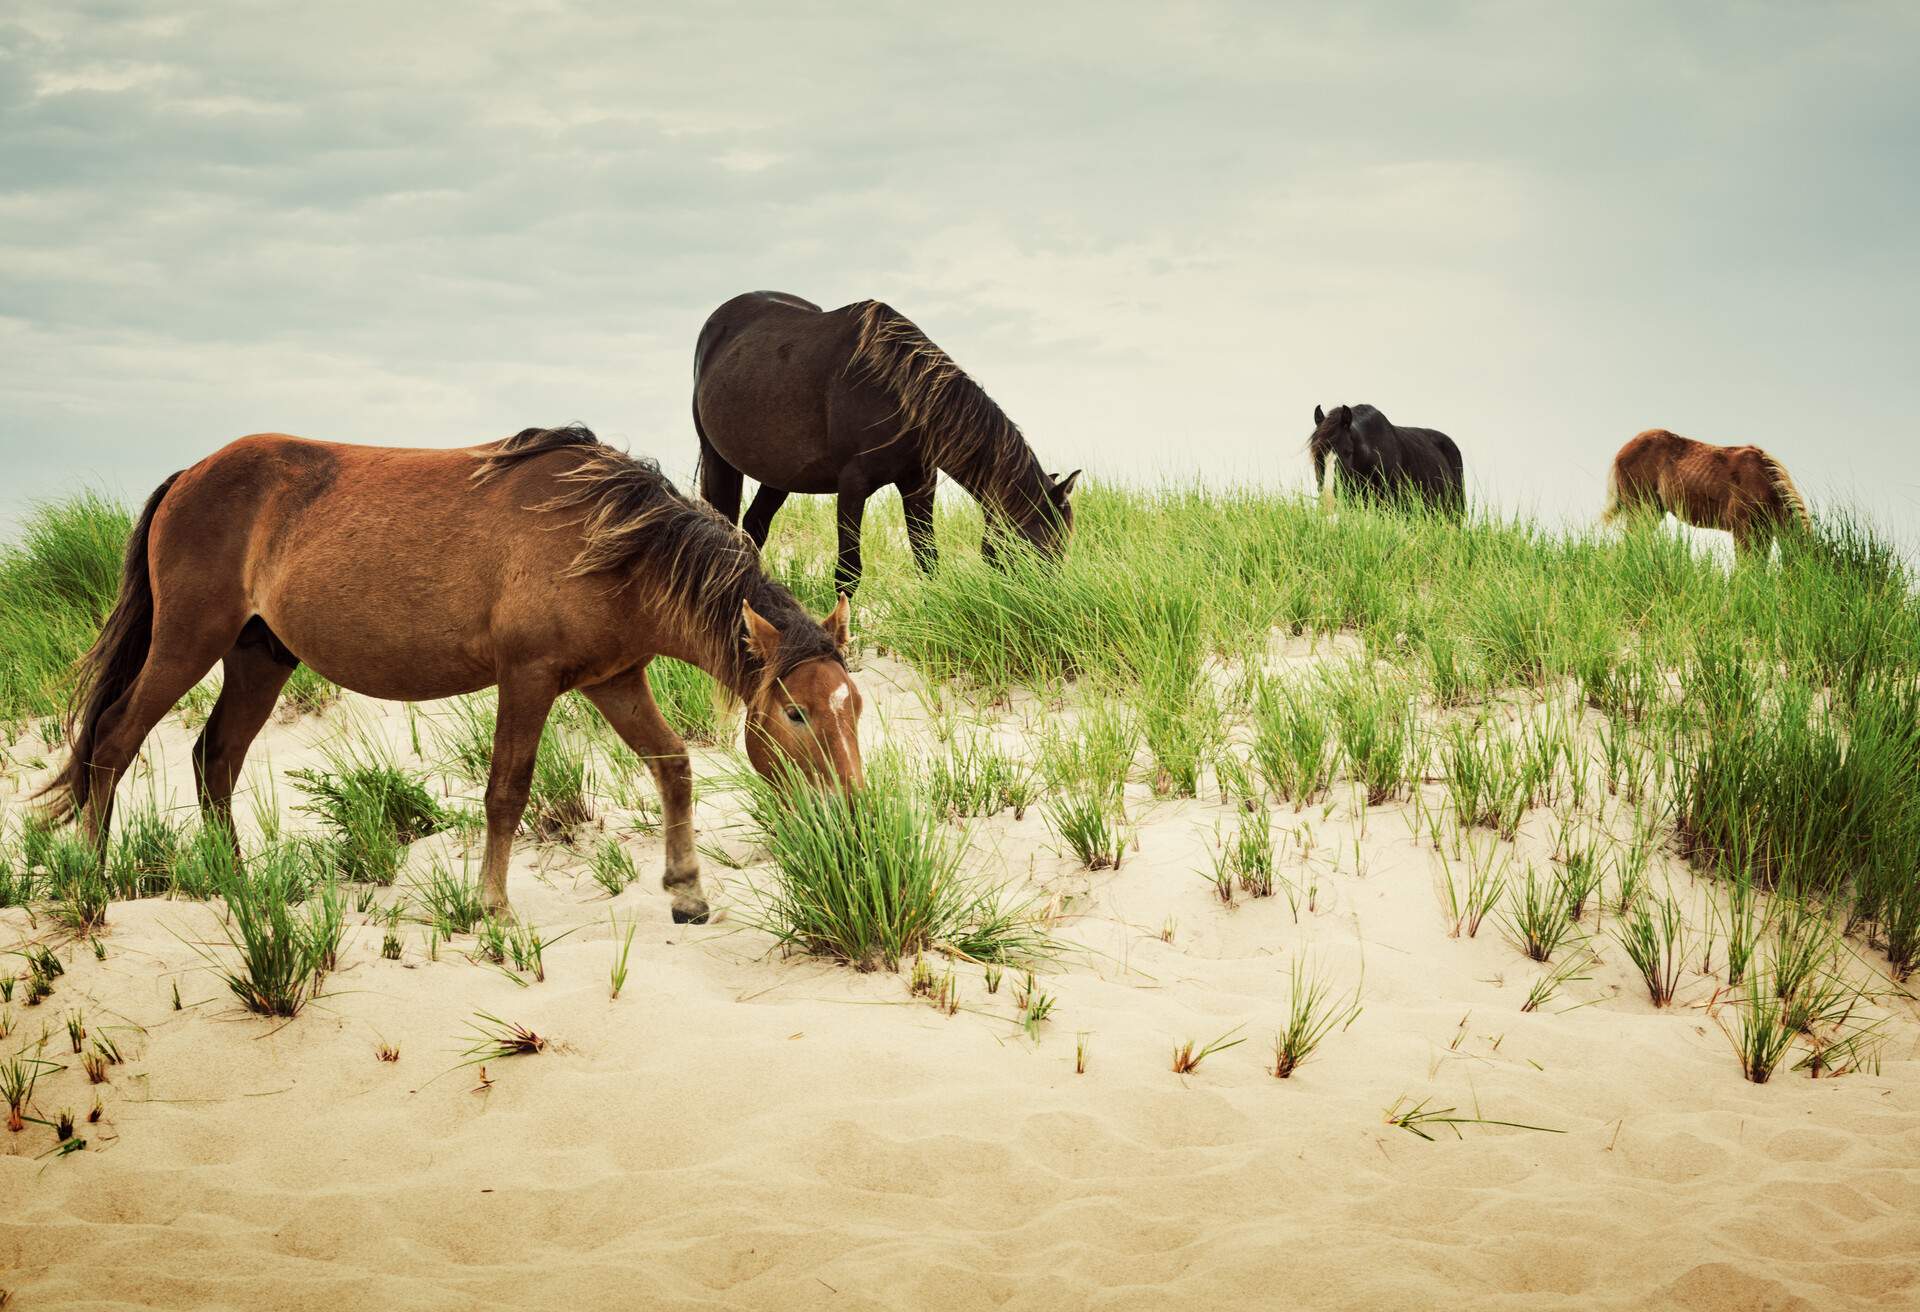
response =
{"points": [[745, 1130]]}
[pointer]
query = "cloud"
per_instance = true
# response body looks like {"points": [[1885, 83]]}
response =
{"points": [[1159, 237]]}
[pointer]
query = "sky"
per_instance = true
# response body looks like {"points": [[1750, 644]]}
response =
{"points": [[1158, 234]]}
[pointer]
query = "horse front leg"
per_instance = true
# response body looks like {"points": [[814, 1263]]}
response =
{"points": [[917, 501], [855, 488], [759, 521], [628, 704], [522, 715]]}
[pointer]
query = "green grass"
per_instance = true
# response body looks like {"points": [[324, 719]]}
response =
{"points": [[57, 583], [877, 881], [1293, 740], [76, 889], [1770, 716], [1654, 937], [687, 696], [1314, 1010], [447, 901], [371, 807], [283, 941], [1539, 915], [973, 777]]}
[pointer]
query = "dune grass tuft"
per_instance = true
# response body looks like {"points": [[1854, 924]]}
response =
{"points": [[877, 879]]}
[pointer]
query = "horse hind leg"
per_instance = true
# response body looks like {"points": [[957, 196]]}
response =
{"points": [[179, 655], [759, 521], [254, 671], [720, 482]]}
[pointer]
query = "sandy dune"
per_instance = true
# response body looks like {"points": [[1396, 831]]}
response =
{"points": [[742, 1130]]}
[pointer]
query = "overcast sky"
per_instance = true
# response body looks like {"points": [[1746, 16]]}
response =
{"points": [[1157, 234]]}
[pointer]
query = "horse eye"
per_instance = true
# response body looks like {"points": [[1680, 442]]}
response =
{"points": [[796, 715]]}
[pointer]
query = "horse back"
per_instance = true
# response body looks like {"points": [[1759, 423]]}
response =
{"points": [[366, 561], [773, 395]]}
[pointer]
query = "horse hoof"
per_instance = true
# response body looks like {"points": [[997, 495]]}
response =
{"points": [[694, 915]]}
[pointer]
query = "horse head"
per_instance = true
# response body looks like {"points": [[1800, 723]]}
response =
{"points": [[1046, 521], [1335, 434], [804, 723]]}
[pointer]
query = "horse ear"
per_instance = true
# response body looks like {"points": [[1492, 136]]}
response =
{"points": [[1319, 416], [762, 637], [1345, 415], [1064, 488], [836, 623]]}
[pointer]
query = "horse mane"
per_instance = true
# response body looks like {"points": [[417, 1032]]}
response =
{"points": [[1783, 486], [637, 523], [966, 432]]}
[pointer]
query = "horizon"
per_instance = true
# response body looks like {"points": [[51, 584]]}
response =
{"points": [[1158, 242]]}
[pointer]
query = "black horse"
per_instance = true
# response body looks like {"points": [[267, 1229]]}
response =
{"points": [[1383, 462], [847, 401]]}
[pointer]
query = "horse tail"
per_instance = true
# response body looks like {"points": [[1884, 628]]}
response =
{"points": [[1791, 501], [1612, 510], [103, 676]]}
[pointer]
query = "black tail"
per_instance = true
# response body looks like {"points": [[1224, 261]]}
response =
{"points": [[108, 669]]}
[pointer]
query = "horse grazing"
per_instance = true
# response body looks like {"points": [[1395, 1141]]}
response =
{"points": [[1385, 463], [543, 563], [847, 401], [1739, 489]]}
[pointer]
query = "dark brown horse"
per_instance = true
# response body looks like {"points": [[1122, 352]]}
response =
{"points": [[1739, 489], [847, 401], [543, 563], [1382, 462]]}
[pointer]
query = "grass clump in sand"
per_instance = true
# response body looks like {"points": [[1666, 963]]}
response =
{"points": [[876, 879], [495, 1039], [1086, 774], [1539, 916], [76, 886], [622, 950], [19, 1076], [372, 807], [612, 867], [1314, 1011], [283, 926], [1655, 939], [146, 847], [1293, 741], [1248, 859], [973, 777], [1187, 1058], [446, 900]]}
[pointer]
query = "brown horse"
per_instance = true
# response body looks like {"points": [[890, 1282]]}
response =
{"points": [[848, 401], [543, 563], [1739, 489]]}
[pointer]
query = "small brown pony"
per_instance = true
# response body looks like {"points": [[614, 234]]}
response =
{"points": [[543, 563], [1740, 489]]}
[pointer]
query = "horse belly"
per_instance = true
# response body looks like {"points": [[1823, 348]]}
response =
{"points": [[763, 406], [388, 608], [397, 647]]}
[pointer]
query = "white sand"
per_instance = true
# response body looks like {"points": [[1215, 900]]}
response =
{"points": [[742, 1130]]}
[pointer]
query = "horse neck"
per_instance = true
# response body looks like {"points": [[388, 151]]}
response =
{"points": [[706, 636], [1003, 475]]}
